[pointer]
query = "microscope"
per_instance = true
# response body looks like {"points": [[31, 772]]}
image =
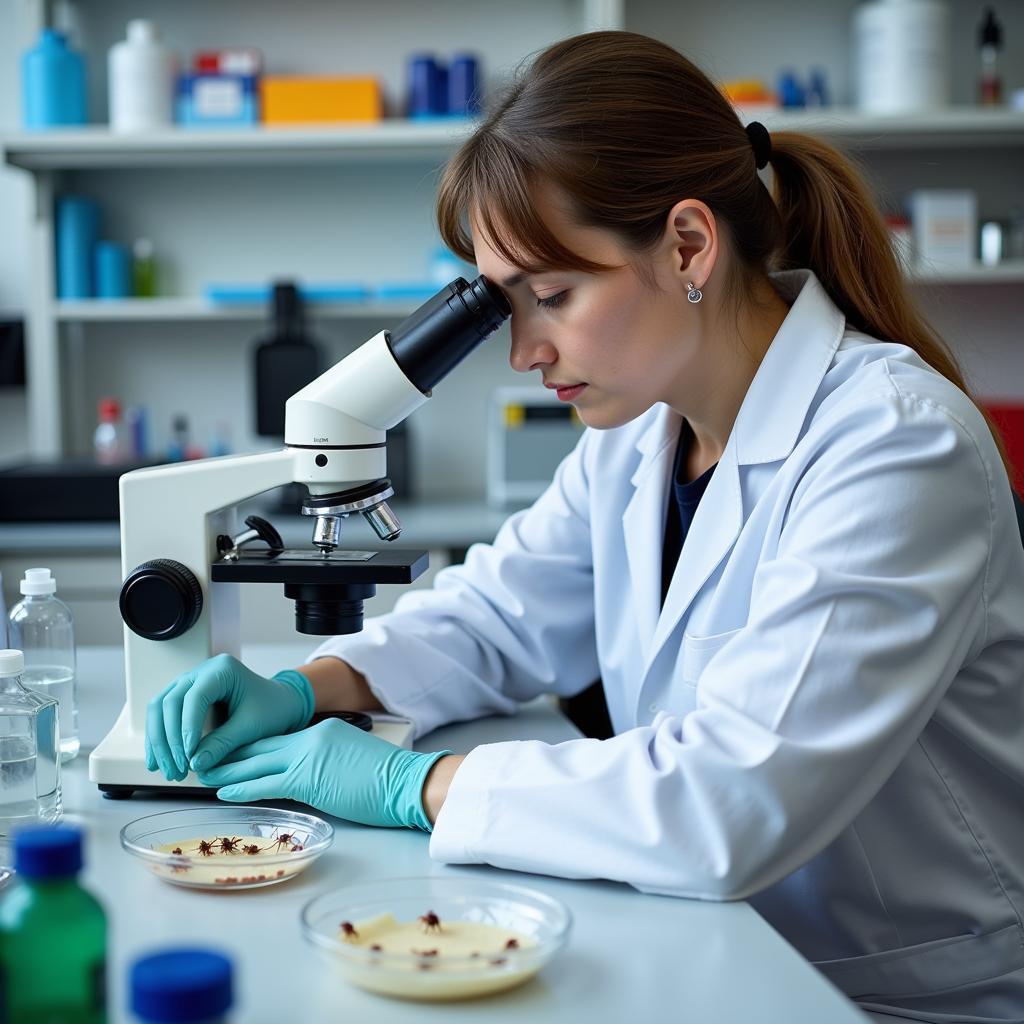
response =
{"points": [[183, 556]]}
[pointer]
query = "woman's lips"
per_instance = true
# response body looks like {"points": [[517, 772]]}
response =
{"points": [[568, 393]]}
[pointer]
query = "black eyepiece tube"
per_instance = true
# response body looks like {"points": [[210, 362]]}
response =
{"points": [[446, 328]]}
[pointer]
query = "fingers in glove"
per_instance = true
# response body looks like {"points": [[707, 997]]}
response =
{"points": [[257, 767], [158, 740], [171, 709], [272, 787]]}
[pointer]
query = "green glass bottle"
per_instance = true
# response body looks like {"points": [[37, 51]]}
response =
{"points": [[53, 935]]}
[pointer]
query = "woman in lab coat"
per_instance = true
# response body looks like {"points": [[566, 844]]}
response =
{"points": [[787, 547]]}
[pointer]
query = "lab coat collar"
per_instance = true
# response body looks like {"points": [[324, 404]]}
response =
{"points": [[773, 412], [769, 421], [766, 430]]}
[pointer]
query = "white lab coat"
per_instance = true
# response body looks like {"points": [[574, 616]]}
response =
{"points": [[826, 717]]}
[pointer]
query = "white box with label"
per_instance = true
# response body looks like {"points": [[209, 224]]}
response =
{"points": [[945, 227]]}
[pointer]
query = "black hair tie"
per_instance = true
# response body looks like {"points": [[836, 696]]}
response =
{"points": [[761, 142]]}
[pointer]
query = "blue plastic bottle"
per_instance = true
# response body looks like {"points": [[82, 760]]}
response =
{"points": [[52, 83]]}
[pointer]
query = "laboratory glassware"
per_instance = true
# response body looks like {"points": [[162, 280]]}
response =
{"points": [[29, 765], [42, 627]]}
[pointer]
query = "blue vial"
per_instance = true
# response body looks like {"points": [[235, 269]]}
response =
{"points": [[78, 227], [180, 985], [113, 270], [464, 86], [427, 95], [791, 92], [52, 83]]}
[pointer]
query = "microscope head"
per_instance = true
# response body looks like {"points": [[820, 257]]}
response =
{"points": [[342, 417]]}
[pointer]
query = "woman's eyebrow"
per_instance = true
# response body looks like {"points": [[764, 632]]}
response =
{"points": [[511, 282]]}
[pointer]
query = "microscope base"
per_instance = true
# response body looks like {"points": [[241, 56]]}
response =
{"points": [[118, 767]]}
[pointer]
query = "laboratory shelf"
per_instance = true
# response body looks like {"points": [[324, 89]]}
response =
{"points": [[940, 129], [98, 147], [190, 309], [398, 140], [1008, 272]]}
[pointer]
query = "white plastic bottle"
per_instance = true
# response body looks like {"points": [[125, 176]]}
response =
{"points": [[108, 440], [140, 81], [901, 56], [42, 627]]}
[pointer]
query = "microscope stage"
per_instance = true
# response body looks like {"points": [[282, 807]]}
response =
{"points": [[305, 566]]}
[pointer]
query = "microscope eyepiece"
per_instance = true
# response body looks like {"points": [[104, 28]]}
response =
{"points": [[446, 328]]}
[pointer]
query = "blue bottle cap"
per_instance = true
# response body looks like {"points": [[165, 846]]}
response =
{"points": [[48, 851], [181, 985], [52, 38]]}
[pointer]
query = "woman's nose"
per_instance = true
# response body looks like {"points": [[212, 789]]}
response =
{"points": [[529, 352]]}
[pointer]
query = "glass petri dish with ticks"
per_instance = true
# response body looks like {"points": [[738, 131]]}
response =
{"points": [[437, 938], [227, 848]]}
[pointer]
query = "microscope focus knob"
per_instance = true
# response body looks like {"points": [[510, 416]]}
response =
{"points": [[161, 599]]}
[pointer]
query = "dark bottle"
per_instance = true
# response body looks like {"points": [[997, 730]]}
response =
{"points": [[990, 41], [53, 935]]}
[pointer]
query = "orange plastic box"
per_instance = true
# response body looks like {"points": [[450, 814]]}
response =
{"points": [[308, 100]]}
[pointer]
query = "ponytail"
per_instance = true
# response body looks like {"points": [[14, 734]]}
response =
{"points": [[831, 225]]}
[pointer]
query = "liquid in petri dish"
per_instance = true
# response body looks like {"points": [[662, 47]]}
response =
{"points": [[58, 683]]}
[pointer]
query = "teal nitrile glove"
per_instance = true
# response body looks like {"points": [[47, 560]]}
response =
{"points": [[257, 707], [334, 767]]}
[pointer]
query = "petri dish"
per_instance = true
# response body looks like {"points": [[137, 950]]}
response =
{"points": [[540, 923], [226, 848]]}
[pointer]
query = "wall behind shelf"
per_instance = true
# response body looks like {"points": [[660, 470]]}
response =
{"points": [[333, 37], [205, 371], [804, 33]]}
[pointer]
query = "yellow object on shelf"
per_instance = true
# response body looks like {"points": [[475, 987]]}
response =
{"points": [[751, 91], [309, 100]]}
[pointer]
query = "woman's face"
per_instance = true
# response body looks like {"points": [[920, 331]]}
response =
{"points": [[612, 345]]}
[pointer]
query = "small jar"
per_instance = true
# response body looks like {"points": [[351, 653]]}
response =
{"points": [[29, 758]]}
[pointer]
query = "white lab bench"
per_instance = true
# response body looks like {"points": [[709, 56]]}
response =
{"points": [[629, 957]]}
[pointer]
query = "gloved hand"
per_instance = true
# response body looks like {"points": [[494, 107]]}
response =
{"points": [[257, 707], [334, 767]]}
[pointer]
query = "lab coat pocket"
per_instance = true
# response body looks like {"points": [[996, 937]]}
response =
{"points": [[699, 650]]}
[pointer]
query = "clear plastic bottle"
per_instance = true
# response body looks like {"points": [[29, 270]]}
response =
{"points": [[29, 764], [42, 627], [53, 935], [106, 441], [179, 985]]}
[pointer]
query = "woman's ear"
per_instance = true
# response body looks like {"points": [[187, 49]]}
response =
{"points": [[691, 242]]}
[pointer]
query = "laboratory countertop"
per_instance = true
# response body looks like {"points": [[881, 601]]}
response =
{"points": [[629, 957], [428, 524]]}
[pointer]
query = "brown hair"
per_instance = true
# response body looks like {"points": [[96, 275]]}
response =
{"points": [[624, 126]]}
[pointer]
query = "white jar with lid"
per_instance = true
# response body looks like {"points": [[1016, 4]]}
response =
{"points": [[901, 61], [140, 81]]}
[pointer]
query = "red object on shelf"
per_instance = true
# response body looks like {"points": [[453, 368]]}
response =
{"points": [[231, 60], [109, 410], [1009, 418]]}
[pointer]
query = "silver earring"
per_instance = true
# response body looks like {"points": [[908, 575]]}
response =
{"points": [[694, 294]]}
